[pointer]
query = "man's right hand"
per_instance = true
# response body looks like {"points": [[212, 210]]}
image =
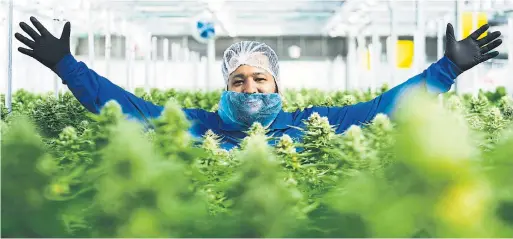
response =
{"points": [[43, 46]]}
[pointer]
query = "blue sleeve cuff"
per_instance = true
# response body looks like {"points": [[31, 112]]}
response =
{"points": [[442, 77], [67, 65], [449, 67]]}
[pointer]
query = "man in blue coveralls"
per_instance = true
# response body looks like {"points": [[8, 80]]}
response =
{"points": [[251, 74]]}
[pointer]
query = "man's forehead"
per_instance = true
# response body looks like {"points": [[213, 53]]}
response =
{"points": [[257, 61], [249, 70], [262, 58]]}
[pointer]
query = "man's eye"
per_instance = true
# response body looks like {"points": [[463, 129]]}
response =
{"points": [[237, 82], [260, 79]]}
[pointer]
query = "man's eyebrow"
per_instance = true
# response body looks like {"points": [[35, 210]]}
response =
{"points": [[240, 75]]}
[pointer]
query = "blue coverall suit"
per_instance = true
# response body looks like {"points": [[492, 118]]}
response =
{"points": [[93, 91]]}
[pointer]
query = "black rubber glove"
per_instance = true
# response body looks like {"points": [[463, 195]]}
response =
{"points": [[470, 51], [44, 47]]}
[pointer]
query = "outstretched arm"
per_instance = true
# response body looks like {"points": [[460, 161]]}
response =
{"points": [[438, 78], [91, 89]]}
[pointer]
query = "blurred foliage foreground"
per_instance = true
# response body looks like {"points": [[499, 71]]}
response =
{"points": [[434, 171]]}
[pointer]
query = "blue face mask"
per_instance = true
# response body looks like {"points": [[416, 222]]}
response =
{"points": [[244, 109]]}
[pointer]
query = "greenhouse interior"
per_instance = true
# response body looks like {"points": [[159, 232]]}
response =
{"points": [[340, 44], [125, 118]]}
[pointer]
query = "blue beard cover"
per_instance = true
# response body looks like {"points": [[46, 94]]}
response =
{"points": [[242, 109]]}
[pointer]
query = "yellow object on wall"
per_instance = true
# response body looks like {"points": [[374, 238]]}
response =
{"points": [[467, 22], [404, 53]]}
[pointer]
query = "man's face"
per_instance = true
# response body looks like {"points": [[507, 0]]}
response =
{"points": [[250, 79]]}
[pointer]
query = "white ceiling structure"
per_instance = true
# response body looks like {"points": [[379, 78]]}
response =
{"points": [[259, 17]]}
